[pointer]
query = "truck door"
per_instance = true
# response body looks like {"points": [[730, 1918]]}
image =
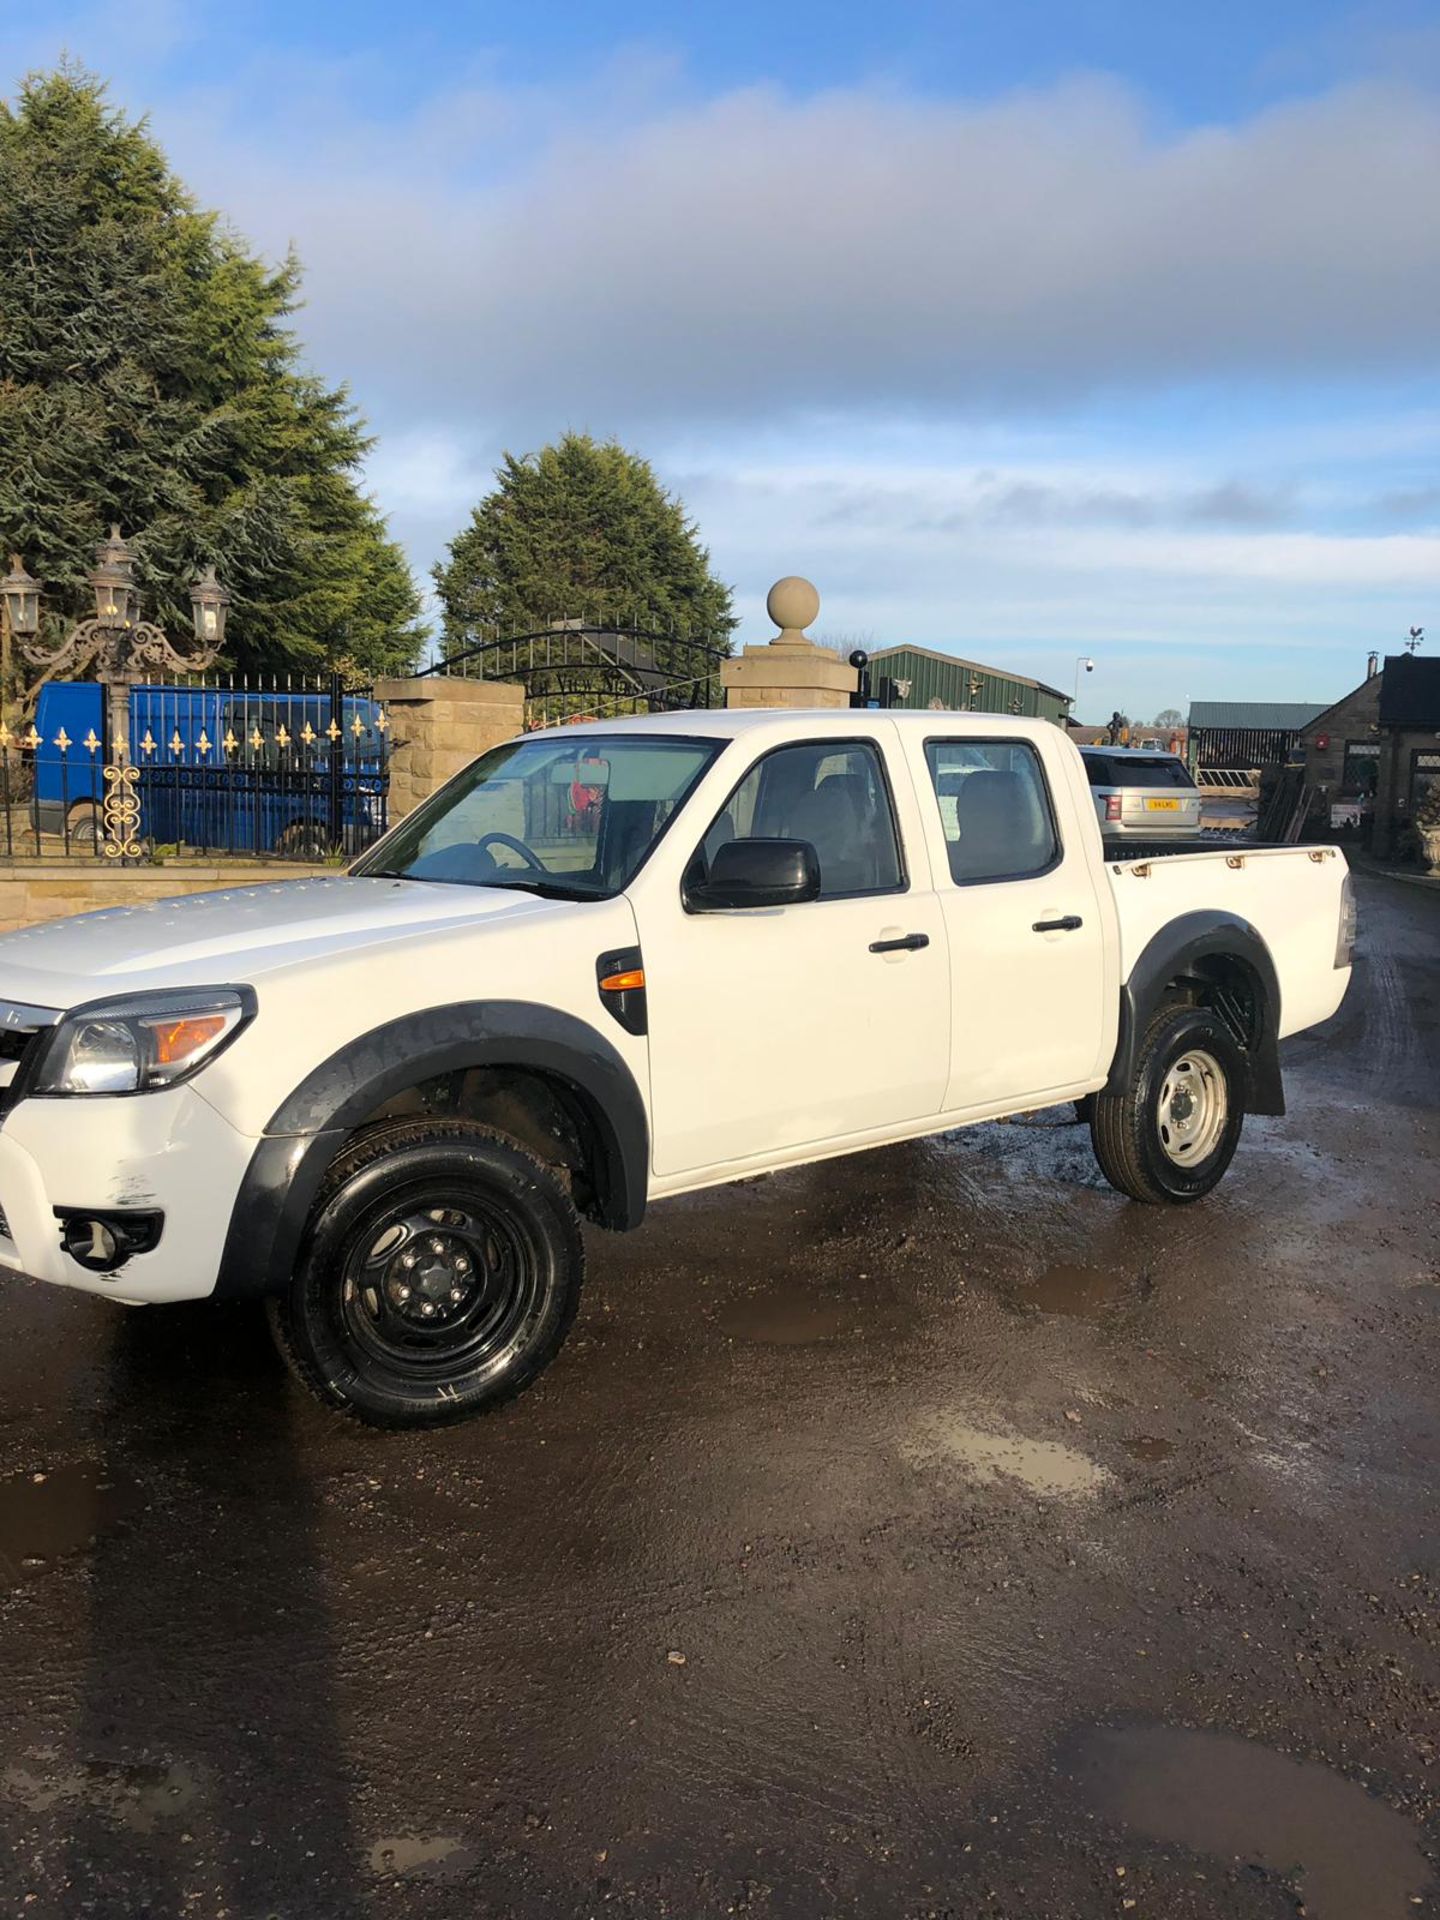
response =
{"points": [[1018, 895], [779, 1028]]}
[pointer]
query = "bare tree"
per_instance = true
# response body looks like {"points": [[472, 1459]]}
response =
{"points": [[844, 644]]}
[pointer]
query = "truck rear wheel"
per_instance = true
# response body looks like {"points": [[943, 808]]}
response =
{"points": [[441, 1274], [1169, 1137]]}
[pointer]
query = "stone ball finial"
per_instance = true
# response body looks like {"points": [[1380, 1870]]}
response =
{"points": [[792, 603]]}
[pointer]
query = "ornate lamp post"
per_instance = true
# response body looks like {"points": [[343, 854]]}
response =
{"points": [[118, 648], [116, 645]]}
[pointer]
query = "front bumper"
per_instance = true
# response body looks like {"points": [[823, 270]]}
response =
{"points": [[167, 1152]]}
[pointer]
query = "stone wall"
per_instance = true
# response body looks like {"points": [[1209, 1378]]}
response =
{"points": [[1355, 719], [32, 891], [438, 725]]}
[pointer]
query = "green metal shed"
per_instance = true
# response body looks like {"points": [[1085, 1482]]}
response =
{"points": [[920, 677]]}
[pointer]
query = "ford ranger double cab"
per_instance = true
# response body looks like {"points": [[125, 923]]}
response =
{"points": [[607, 964]]}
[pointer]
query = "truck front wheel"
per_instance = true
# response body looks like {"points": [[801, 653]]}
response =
{"points": [[441, 1274], [1170, 1135]]}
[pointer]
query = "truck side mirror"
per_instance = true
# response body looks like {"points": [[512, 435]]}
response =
{"points": [[756, 873]]}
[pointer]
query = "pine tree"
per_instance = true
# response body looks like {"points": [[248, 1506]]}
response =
{"points": [[148, 376], [580, 530]]}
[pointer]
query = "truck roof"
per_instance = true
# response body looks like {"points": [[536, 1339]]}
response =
{"points": [[807, 722]]}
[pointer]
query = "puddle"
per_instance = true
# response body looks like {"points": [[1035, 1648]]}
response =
{"points": [[1145, 1446], [788, 1322], [1083, 1291], [1346, 1854], [138, 1796], [438, 1858], [44, 1516], [1041, 1466]]}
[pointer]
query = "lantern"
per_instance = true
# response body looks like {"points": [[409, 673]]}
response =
{"points": [[117, 597], [21, 595], [208, 601]]}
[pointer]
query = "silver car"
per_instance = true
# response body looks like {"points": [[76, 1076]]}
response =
{"points": [[1140, 794]]}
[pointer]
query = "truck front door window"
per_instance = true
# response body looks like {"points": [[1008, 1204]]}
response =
{"points": [[994, 809], [831, 794]]}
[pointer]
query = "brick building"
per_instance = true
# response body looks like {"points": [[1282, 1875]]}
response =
{"points": [[1375, 754]]}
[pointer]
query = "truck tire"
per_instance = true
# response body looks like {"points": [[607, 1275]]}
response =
{"points": [[1168, 1138], [440, 1274]]}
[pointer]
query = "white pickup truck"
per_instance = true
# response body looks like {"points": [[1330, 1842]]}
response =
{"points": [[610, 963]]}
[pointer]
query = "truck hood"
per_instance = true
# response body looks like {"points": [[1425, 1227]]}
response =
{"points": [[234, 935]]}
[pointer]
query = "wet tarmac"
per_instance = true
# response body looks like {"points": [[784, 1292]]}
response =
{"points": [[931, 1533]]}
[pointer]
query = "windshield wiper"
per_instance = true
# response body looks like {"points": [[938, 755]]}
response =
{"points": [[546, 889]]}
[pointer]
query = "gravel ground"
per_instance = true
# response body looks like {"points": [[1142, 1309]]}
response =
{"points": [[931, 1533]]}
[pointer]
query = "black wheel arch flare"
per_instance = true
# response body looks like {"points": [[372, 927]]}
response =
{"points": [[313, 1122], [1185, 945]]}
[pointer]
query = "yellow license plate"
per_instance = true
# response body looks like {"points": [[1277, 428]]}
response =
{"points": [[1163, 806]]}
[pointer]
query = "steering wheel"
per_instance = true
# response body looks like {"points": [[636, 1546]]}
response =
{"points": [[532, 860]]}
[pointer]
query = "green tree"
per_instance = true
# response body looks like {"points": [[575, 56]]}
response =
{"points": [[581, 529], [148, 376], [1169, 717]]}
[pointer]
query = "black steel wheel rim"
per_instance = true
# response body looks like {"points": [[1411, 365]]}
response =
{"points": [[439, 1280]]}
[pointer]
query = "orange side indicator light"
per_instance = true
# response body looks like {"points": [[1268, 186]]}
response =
{"points": [[176, 1040], [629, 982]]}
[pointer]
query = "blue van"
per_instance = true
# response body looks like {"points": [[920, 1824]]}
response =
{"points": [[221, 769]]}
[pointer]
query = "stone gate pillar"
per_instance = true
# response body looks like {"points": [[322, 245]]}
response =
{"points": [[790, 670], [438, 725]]}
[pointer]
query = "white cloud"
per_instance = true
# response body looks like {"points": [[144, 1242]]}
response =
{"points": [[855, 249]]}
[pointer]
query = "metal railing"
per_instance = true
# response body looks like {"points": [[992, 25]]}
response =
{"points": [[1238, 778], [275, 768]]}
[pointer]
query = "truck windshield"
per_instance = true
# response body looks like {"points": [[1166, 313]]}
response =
{"points": [[571, 819]]}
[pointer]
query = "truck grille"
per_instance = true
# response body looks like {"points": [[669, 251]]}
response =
{"points": [[19, 1027]]}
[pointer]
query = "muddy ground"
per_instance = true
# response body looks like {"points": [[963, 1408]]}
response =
{"points": [[928, 1533]]}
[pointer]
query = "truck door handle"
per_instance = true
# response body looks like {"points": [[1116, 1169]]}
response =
{"points": [[1067, 923], [907, 943]]}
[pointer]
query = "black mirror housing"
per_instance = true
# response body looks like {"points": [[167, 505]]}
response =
{"points": [[757, 873]]}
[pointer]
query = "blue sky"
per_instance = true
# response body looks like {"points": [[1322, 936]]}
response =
{"points": [[1026, 330]]}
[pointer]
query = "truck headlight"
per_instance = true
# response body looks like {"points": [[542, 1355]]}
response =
{"points": [[140, 1043]]}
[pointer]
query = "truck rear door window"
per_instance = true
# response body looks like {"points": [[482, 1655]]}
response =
{"points": [[994, 809]]}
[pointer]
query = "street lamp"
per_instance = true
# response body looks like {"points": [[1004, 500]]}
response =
{"points": [[22, 599], [119, 649], [117, 597], [209, 602], [1083, 664]]}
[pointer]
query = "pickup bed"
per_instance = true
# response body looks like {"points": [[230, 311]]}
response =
{"points": [[607, 964]]}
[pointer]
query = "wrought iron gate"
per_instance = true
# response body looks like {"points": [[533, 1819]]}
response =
{"points": [[576, 670]]}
